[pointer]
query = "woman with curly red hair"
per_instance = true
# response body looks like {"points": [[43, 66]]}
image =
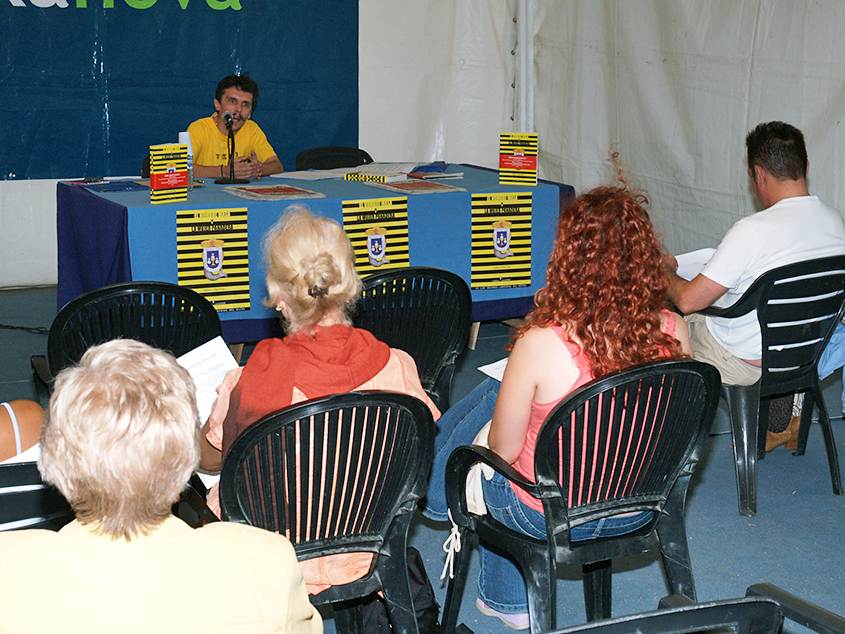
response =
{"points": [[602, 310]]}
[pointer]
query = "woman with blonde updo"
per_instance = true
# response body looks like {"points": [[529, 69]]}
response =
{"points": [[311, 281]]}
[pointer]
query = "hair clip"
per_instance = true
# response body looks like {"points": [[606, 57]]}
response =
{"points": [[316, 291]]}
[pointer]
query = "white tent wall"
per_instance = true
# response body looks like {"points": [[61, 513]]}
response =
{"points": [[435, 79], [673, 85]]}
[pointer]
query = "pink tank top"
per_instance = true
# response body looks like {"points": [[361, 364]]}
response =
{"points": [[539, 411]]}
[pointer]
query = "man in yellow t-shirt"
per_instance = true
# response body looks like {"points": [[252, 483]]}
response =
{"points": [[254, 156]]}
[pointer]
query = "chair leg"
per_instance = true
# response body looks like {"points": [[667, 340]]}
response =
{"points": [[807, 420], [744, 404], [674, 550], [541, 583], [597, 590], [396, 587], [827, 432], [455, 590], [762, 427], [348, 617]]}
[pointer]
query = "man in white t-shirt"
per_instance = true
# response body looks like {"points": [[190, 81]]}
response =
{"points": [[792, 227]]}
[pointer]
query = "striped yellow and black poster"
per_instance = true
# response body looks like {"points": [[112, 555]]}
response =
{"points": [[378, 230], [501, 240], [517, 159], [213, 257]]}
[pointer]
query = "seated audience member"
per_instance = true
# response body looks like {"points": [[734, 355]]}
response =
{"points": [[254, 156], [120, 442], [20, 427], [793, 226], [601, 311], [311, 281]]}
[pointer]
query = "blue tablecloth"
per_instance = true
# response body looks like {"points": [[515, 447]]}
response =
{"points": [[113, 236]]}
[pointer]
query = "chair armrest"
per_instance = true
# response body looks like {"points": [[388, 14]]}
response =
{"points": [[674, 601], [42, 378], [738, 309], [457, 471], [800, 610]]}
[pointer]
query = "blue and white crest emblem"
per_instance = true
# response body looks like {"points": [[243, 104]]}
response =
{"points": [[377, 246], [502, 239], [212, 259]]}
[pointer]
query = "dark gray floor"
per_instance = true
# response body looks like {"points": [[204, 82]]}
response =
{"points": [[795, 541]]}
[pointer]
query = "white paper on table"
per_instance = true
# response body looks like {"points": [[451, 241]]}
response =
{"points": [[495, 370], [316, 175], [208, 365], [690, 264], [385, 168]]}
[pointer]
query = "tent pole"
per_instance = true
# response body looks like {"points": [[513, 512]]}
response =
{"points": [[525, 66]]}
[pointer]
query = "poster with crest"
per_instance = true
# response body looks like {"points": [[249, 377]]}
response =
{"points": [[378, 230], [501, 240], [213, 255]]}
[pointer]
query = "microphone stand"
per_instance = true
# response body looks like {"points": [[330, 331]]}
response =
{"points": [[231, 180]]}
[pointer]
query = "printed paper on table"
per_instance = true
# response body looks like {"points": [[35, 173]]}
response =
{"points": [[418, 186], [271, 192]]}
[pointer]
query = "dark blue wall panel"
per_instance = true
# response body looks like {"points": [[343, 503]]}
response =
{"points": [[89, 85]]}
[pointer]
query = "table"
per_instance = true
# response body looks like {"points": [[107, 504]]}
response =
{"points": [[106, 237]]}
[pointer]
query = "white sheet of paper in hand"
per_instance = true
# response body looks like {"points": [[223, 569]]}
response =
{"points": [[208, 365], [690, 264], [496, 369]]}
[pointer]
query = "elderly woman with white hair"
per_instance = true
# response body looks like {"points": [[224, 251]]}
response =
{"points": [[120, 442]]}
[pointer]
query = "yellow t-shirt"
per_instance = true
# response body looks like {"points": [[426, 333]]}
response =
{"points": [[211, 147]]}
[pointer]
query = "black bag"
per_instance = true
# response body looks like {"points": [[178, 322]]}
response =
{"points": [[374, 610]]}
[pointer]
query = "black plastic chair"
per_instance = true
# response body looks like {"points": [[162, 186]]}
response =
{"points": [[331, 157], [801, 611], [427, 313], [27, 502], [163, 315], [640, 433], [798, 307], [744, 616], [338, 474]]}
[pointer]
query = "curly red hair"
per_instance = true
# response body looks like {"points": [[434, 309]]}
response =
{"points": [[604, 281]]}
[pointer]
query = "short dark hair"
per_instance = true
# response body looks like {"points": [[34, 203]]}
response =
{"points": [[779, 149], [241, 82]]}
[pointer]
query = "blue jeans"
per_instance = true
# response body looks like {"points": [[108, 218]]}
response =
{"points": [[458, 426], [500, 582], [833, 356]]}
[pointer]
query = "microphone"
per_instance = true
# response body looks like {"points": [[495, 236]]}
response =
{"points": [[228, 119]]}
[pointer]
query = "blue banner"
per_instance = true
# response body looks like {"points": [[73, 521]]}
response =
{"points": [[93, 83]]}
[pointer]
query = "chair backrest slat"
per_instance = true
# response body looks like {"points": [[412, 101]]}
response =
{"points": [[424, 311], [27, 502], [623, 439], [163, 315], [798, 307], [333, 472]]}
